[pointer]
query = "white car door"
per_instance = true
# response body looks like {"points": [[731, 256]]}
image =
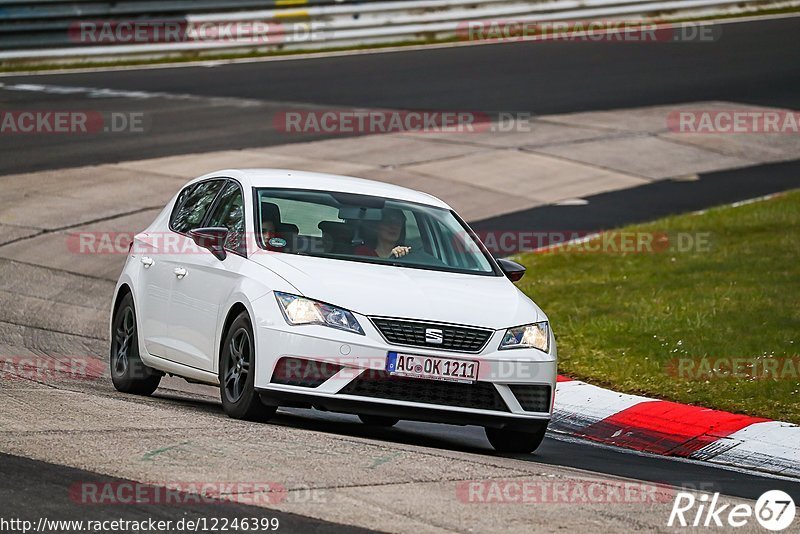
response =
{"points": [[155, 281], [160, 255], [203, 284]]}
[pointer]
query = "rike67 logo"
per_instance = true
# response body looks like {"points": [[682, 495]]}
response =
{"points": [[774, 510]]}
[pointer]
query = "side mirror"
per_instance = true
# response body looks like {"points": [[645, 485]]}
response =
{"points": [[513, 270], [212, 238]]}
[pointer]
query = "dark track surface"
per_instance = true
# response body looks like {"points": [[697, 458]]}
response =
{"points": [[651, 201], [755, 63], [32, 490], [553, 451]]}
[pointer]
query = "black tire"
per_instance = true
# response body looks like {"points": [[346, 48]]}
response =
{"points": [[506, 440], [237, 371], [128, 373], [378, 420]]}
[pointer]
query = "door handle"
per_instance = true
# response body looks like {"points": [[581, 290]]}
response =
{"points": [[180, 272], [147, 261]]}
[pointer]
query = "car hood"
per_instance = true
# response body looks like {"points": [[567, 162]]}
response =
{"points": [[389, 291]]}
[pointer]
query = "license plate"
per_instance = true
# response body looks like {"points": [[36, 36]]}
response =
{"points": [[432, 367]]}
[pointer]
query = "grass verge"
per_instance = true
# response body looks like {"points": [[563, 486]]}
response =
{"points": [[717, 325]]}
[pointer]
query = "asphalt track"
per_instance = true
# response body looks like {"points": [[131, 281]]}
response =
{"points": [[32, 490], [755, 63], [556, 451], [651, 201], [233, 105]]}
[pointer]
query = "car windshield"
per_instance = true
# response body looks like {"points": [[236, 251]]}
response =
{"points": [[368, 229]]}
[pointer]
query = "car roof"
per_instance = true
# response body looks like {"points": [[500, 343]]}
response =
{"points": [[291, 179]]}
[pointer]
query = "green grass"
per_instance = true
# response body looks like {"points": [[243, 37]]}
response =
{"points": [[624, 320]]}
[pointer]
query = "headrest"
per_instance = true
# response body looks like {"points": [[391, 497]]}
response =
{"points": [[336, 229], [270, 212]]}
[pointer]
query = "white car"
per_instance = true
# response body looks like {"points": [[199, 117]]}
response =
{"points": [[290, 288]]}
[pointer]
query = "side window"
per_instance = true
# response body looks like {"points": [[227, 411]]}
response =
{"points": [[192, 204], [229, 213]]}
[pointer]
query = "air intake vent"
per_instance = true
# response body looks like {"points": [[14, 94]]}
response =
{"points": [[382, 385], [303, 373], [532, 398]]}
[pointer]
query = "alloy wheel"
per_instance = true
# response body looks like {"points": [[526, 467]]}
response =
{"points": [[123, 337], [238, 364]]}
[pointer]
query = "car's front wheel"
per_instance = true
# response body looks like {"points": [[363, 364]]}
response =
{"points": [[237, 374], [128, 373], [519, 441]]}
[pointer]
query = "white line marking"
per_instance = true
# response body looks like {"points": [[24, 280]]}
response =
{"points": [[572, 202], [95, 92], [745, 202]]}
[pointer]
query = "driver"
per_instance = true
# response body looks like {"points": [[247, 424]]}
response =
{"points": [[388, 241]]}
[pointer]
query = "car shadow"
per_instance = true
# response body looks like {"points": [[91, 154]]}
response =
{"points": [[433, 435]]}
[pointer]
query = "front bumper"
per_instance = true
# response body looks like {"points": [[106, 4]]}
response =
{"points": [[353, 367]]}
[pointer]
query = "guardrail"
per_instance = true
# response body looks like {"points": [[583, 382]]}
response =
{"points": [[55, 30]]}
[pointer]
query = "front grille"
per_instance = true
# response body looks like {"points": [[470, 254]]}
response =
{"points": [[412, 333], [532, 398], [303, 373], [382, 385]]}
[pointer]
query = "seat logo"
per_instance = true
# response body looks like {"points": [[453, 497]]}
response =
{"points": [[433, 336]]}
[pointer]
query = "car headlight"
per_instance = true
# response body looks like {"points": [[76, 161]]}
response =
{"points": [[536, 335], [300, 310]]}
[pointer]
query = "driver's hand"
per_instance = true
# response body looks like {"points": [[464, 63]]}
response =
{"points": [[399, 252]]}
